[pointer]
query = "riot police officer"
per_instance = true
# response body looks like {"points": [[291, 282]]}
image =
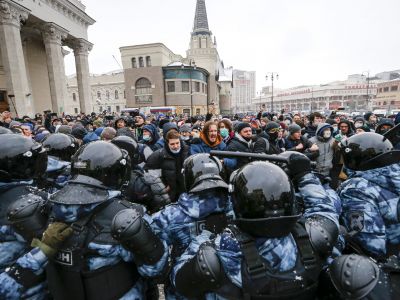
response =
{"points": [[205, 205], [371, 195], [273, 252], [91, 263], [144, 187], [22, 163], [60, 148]]}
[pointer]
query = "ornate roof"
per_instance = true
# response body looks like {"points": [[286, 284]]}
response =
{"points": [[200, 19]]}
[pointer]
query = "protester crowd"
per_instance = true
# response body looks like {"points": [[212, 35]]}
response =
{"points": [[113, 206]]}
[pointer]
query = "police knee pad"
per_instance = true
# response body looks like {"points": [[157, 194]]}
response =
{"points": [[323, 234], [135, 235], [354, 276], [29, 216], [203, 273]]}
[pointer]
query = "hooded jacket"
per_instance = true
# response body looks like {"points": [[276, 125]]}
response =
{"points": [[327, 149], [383, 122], [166, 128], [154, 137]]}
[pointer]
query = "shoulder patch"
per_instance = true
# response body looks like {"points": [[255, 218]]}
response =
{"points": [[356, 221]]}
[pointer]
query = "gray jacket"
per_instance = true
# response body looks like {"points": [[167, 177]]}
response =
{"points": [[326, 149]]}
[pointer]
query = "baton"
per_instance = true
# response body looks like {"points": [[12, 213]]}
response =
{"points": [[257, 156]]}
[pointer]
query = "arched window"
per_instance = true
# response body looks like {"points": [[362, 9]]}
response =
{"points": [[143, 91], [116, 95], [124, 94], [74, 96], [148, 61], [143, 86], [134, 65], [108, 95], [99, 95], [141, 62]]}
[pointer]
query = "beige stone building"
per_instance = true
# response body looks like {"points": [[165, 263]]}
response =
{"points": [[107, 92], [388, 97], [32, 72], [156, 76]]}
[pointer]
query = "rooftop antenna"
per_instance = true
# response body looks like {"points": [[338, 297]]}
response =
{"points": [[117, 62]]}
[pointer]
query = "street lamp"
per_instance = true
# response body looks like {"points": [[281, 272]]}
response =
{"points": [[272, 75], [368, 79], [192, 65]]}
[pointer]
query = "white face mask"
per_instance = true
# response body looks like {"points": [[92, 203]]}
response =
{"points": [[196, 135], [175, 151], [185, 138], [358, 124], [327, 134]]}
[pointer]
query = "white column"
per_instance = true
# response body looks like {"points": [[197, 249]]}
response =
{"points": [[11, 15], [53, 36], [81, 50]]}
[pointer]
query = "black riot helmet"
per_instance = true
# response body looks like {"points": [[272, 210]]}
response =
{"points": [[21, 158], [4, 130], [61, 145], [202, 172], [264, 200], [129, 145], [367, 151], [104, 162]]}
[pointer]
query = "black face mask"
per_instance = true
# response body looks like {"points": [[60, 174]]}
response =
{"points": [[273, 136]]}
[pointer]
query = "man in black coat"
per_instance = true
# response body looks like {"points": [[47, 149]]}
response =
{"points": [[244, 141], [170, 161]]}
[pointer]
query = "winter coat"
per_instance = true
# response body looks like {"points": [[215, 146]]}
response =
{"points": [[327, 149], [239, 144], [171, 168]]}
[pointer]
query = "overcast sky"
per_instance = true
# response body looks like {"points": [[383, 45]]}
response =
{"points": [[305, 41]]}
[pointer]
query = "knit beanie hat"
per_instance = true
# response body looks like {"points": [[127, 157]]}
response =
{"points": [[241, 126], [294, 128]]}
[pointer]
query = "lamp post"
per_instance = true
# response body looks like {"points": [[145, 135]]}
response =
{"points": [[272, 75], [192, 65]]}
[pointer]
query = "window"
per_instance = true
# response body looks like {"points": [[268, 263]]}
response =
{"points": [[117, 108], [197, 87], [108, 95], [74, 96], [394, 88], [386, 89], [101, 109], [148, 61], [143, 91], [186, 111], [384, 103], [124, 94], [76, 110], [141, 63], [171, 86], [116, 95], [109, 109], [185, 86], [391, 102], [99, 95], [197, 111], [380, 90], [134, 64]]}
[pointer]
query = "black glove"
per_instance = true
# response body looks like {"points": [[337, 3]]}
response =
{"points": [[298, 165]]}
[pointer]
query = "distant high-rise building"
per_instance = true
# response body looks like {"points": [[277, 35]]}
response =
{"points": [[244, 90]]}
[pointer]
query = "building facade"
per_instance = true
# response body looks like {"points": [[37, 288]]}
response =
{"points": [[32, 71], [107, 92], [388, 96], [354, 94], [155, 76], [244, 90]]}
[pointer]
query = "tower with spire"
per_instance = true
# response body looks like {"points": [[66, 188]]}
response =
{"points": [[203, 50]]}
